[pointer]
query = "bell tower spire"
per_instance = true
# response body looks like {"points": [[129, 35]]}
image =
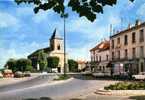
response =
{"points": [[56, 42]]}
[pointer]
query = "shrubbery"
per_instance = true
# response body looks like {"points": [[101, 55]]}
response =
{"points": [[63, 77], [19, 65], [126, 86]]}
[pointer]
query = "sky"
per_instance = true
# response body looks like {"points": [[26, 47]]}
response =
{"points": [[22, 32]]}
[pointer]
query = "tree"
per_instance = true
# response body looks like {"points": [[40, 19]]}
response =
{"points": [[42, 60], [11, 63], [29, 68], [23, 64], [52, 62], [87, 8], [73, 65]]}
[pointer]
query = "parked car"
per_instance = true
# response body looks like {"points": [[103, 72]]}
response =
{"points": [[140, 76], [1, 75], [98, 74], [44, 73], [7, 73], [18, 74], [27, 74]]}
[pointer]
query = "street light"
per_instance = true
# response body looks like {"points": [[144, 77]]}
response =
{"points": [[64, 16]]}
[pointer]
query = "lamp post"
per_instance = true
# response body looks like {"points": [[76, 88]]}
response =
{"points": [[64, 16]]}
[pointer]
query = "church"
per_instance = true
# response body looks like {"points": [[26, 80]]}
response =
{"points": [[56, 49]]}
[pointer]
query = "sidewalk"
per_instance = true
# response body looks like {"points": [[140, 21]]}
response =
{"points": [[8, 81], [121, 92]]}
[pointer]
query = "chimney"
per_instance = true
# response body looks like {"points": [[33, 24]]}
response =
{"points": [[137, 22]]}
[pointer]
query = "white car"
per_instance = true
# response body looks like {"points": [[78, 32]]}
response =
{"points": [[44, 73], [140, 76], [98, 74]]}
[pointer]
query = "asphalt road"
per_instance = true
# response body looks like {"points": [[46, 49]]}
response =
{"points": [[28, 83], [70, 89]]}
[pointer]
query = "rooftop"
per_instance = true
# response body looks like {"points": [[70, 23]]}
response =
{"points": [[55, 34], [104, 45], [137, 25]]}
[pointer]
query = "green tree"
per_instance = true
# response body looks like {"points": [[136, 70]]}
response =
{"points": [[29, 68], [87, 8], [73, 65], [11, 63], [23, 64], [53, 62], [42, 60]]}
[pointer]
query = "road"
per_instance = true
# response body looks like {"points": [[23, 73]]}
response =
{"points": [[28, 83], [63, 91]]}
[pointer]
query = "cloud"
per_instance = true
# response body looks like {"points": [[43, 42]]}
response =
{"points": [[19, 50], [24, 11], [80, 53], [10, 53], [141, 11], [114, 20], [43, 16], [7, 20]]}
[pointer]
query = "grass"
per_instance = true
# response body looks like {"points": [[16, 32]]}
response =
{"points": [[75, 99], [137, 97], [126, 86], [62, 77]]}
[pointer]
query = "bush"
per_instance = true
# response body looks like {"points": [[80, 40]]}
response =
{"points": [[62, 77], [126, 86]]}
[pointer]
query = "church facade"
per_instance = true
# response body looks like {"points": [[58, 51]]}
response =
{"points": [[56, 49]]}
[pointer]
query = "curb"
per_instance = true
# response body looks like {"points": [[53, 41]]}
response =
{"points": [[120, 92]]}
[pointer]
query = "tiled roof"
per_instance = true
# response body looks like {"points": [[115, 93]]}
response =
{"points": [[81, 62], [96, 47], [104, 45]]}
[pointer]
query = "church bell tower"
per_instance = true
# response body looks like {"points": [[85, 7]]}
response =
{"points": [[56, 42]]}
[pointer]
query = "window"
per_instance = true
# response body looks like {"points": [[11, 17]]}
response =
{"points": [[133, 37], [125, 40], [96, 58], [126, 53], [141, 39], [141, 51], [112, 44], [58, 47], [142, 69], [118, 40], [133, 52], [112, 55], [107, 57], [118, 54], [100, 58]]}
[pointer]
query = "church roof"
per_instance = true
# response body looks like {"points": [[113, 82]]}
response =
{"points": [[46, 50], [55, 35]]}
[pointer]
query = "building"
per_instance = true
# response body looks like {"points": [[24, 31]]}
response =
{"points": [[81, 65], [127, 49], [56, 49], [100, 57]]}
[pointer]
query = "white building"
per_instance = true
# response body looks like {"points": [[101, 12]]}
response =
{"points": [[100, 57], [127, 49]]}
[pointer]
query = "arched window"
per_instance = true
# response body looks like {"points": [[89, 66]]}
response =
{"points": [[58, 47]]}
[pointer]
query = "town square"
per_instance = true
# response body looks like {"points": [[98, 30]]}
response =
{"points": [[72, 50]]}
